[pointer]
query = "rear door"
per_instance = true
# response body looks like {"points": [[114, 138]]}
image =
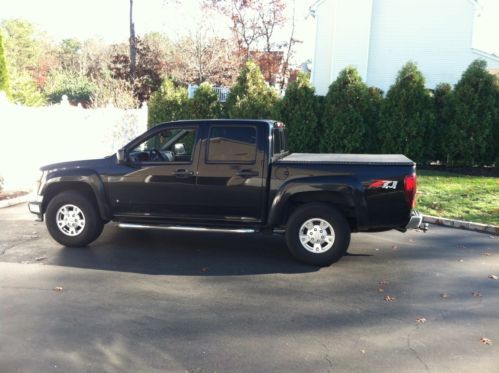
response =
{"points": [[231, 173]]}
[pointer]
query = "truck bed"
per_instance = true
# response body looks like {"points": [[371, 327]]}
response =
{"points": [[368, 159]]}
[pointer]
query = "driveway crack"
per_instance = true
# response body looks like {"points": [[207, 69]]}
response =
{"points": [[415, 352]]}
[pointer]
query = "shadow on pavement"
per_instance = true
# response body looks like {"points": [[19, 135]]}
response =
{"points": [[179, 253]]}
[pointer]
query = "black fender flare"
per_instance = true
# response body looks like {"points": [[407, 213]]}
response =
{"points": [[80, 176], [348, 186]]}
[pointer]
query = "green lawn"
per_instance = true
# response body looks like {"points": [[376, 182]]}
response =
{"points": [[449, 195]]}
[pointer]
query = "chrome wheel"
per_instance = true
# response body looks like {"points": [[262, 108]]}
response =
{"points": [[70, 220], [316, 235]]}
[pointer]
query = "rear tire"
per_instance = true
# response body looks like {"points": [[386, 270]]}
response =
{"points": [[73, 220], [317, 234]]}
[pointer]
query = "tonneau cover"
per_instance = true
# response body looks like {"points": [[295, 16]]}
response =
{"points": [[373, 159]]}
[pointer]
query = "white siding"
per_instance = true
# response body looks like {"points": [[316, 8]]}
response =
{"points": [[321, 67], [434, 34], [350, 36], [379, 37]]}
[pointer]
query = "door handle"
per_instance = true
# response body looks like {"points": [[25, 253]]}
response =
{"points": [[247, 173], [183, 173]]}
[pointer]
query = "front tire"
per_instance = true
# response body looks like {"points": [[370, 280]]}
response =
{"points": [[73, 220], [317, 234]]}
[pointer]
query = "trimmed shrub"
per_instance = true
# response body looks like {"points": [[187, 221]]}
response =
{"points": [[250, 97], [78, 88], [205, 104], [442, 97], [298, 110], [473, 130], [407, 117], [167, 104], [4, 75], [347, 114]]}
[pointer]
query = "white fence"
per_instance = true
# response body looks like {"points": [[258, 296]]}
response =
{"points": [[222, 92], [34, 136]]}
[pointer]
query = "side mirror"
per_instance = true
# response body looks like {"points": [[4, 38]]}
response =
{"points": [[120, 156]]}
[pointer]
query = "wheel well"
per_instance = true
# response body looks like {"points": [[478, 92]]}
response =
{"points": [[334, 199], [73, 186]]}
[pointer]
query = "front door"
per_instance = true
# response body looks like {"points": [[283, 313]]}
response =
{"points": [[160, 178], [231, 173]]}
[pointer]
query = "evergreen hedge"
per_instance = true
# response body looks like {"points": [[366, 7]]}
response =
{"points": [[205, 104], [298, 109], [167, 104], [406, 123], [347, 116], [250, 97], [472, 135]]}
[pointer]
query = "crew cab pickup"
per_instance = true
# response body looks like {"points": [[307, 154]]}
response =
{"points": [[233, 176]]}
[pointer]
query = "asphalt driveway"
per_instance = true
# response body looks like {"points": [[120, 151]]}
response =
{"points": [[162, 301]]}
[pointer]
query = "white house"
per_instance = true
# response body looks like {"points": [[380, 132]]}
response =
{"points": [[379, 36]]}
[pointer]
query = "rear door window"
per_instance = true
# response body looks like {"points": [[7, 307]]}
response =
{"points": [[231, 144]]}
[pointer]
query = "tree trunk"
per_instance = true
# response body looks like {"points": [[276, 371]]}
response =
{"points": [[133, 45]]}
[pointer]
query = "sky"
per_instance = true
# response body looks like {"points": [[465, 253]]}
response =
{"points": [[108, 20]]}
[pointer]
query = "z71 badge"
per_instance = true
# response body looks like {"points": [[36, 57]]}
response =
{"points": [[383, 184]]}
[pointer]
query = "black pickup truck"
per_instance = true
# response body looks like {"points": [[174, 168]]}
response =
{"points": [[233, 176]]}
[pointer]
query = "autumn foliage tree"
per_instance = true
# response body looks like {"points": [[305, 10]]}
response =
{"points": [[147, 71]]}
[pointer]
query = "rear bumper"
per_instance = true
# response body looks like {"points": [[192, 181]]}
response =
{"points": [[416, 221]]}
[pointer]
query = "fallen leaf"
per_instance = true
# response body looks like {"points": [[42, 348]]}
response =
{"points": [[444, 295], [476, 294], [58, 288], [493, 277], [420, 320], [389, 298], [486, 341], [204, 269]]}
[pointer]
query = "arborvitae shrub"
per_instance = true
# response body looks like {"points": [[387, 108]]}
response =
{"points": [[347, 114], [205, 104], [167, 104], [472, 136], [442, 99], [250, 97], [298, 110], [406, 123]]}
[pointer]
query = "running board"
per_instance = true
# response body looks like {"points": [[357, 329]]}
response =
{"points": [[185, 228]]}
